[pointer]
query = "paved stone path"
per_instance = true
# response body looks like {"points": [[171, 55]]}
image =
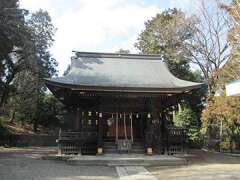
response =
{"points": [[134, 173]]}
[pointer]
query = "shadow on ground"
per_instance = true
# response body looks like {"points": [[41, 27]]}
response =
{"points": [[26, 163], [202, 165]]}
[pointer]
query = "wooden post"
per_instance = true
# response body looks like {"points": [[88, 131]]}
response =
{"points": [[141, 125], [131, 127], [124, 124], [221, 132], [78, 129], [116, 127], [100, 135], [59, 144], [148, 135], [77, 118]]}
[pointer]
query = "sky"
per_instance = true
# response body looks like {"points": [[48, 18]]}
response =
{"points": [[99, 25]]}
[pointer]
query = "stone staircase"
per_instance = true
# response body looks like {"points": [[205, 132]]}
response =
{"points": [[110, 147]]}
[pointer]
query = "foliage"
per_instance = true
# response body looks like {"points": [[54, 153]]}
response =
{"points": [[41, 63], [51, 111], [25, 40], [24, 108], [42, 30], [198, 98], [230, 70], [167, 34], [28, 65], [221, 118], [22, 101], [209, 47], [123, 51], [187, 119], [14, 36]]}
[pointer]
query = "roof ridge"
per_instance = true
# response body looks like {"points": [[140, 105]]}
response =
{"points": [[118, 55]]}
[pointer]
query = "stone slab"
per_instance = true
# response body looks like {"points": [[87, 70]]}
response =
{"points": [[130, 160], [134, 173]]}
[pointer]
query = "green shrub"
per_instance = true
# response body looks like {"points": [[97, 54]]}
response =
{"points": [[187, 119]]}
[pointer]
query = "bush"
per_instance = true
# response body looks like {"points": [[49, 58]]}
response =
{"points": [[187, 119], [51, 111]]}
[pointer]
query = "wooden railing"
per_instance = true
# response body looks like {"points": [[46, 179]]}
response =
{"points": [[176, 140], [70, 142], [171, 141]]}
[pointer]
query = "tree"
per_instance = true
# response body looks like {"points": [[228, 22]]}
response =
{"points": [[51, 111], [21, 99], [222, 118], [42, 30], [123, 51], [230, 70], [13, 37], [39, 64], [221, 115], [186, 118], [167, 34], [209, 47], [197, 99]]}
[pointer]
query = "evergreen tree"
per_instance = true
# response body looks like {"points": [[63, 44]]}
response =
{"points": [[14, 36], [168, 34]]}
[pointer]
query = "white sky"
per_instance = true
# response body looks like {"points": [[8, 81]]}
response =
{"points": [[99, 25]]}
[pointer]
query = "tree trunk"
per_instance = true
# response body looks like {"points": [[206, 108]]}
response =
{"points": [[12, 116], [4, 98], [6, 89], [35, 125]]}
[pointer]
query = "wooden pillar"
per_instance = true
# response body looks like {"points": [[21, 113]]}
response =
{"points": [[164, 132], [139, 122], [100, 135], [59, 143], [77, 119], [149, 134], [78, 128]]}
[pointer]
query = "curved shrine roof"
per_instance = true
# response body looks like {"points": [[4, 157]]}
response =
{"points": [[128, 72]]}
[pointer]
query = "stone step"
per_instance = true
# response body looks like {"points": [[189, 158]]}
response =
{"points": [[138, 145], [128, 164], [110, 146], [128, 159]]}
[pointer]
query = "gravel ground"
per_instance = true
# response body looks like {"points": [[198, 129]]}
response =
{"points": [[26, 163], [202, 165]]}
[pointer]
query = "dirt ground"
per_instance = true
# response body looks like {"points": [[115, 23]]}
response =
{"points": [[202, 165], [26, 163]]}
